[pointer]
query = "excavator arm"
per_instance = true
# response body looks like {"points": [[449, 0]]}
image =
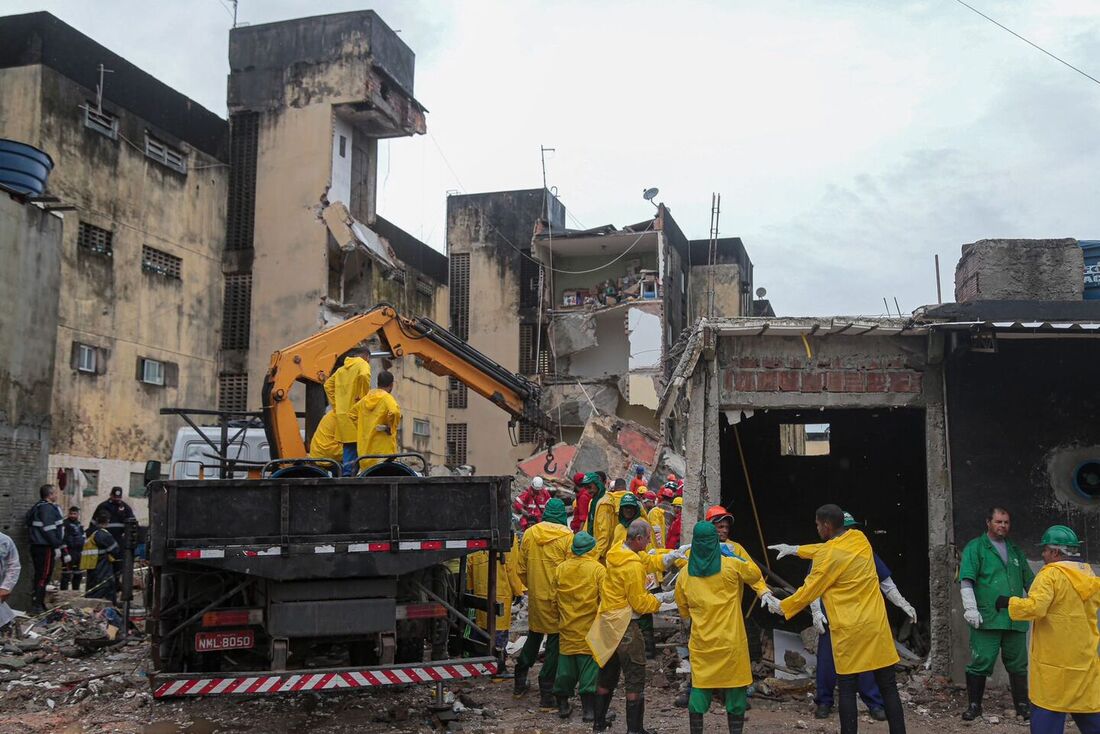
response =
{"points": [[313, 359]]}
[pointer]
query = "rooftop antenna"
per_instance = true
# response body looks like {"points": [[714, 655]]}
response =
{"points": [[712, 250], [99, 89], [234, 12], [650, 194]]}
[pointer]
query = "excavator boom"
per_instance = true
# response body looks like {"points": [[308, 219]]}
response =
{"points": [[313, 360]]}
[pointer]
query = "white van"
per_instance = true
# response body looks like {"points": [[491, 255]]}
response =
{"points": [[194, 458]]}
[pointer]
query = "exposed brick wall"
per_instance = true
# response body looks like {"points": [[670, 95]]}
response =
{"points": [[835, 375]]}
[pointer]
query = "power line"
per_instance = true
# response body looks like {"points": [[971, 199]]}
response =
{"points": [[1033, 45]]}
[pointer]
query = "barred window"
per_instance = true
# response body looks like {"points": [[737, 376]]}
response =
{"points": [[159, 262], [233, 392], [456, 393], [531, 363], [529, 271], [162, 152], [456, 444], [237, 311], [460, 295], [240, 217], [95, 239], [528, 433]]}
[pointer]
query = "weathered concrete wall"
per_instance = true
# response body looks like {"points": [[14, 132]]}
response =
{"points": [[30, 248], [1041, 270], [726, 283]]}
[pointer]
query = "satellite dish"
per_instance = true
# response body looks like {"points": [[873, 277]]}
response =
{"points": [[650, 194], [761, 292]]}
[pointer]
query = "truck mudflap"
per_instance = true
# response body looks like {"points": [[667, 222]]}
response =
{"points": [[333, 679]]}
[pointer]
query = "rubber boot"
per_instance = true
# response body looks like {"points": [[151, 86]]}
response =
{"points": [[564, 709], [502, 668], [635, 716], [650, 643], [588, 707], [520, 685], [1018, 683], [602, 703], [736, 722], [546, 695], [975, 689], [695, 723]]}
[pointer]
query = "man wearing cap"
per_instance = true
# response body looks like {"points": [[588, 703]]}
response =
{"points": [[545, 545], [638, 480], [578, 581], [118, 512], [1062, 605], [608, 522], [582, 501], [674, 531], [659, 516], [992, 566]]}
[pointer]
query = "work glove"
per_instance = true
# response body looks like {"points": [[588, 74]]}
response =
{"points": [[970, 608], [819, 616], [1002, 602], [890, 591], [769, 602], [672, 556], [665, 596], [66, 558], [57, 554], [783, 550]]}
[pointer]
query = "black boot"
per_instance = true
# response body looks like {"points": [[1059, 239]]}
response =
{"points": [[650, 644], [588, 707], [635, 716], [975, 689], [599, 711], [520, 686], [695, 723], [546, 695], [681, 700], [564, 709], [1018, 683], [736, 722]]}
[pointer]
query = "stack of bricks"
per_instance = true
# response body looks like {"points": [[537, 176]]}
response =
{"points": [[838, 375]]}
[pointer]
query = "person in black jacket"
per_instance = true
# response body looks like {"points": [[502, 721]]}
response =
{"points": [[74, 543], [100, 551], [47, 541], [118, 513]]}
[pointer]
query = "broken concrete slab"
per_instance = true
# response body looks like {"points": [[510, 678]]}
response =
{"points": [[535, 466], [572, 404], [572, 332], [614, 445], [1040, 270]]}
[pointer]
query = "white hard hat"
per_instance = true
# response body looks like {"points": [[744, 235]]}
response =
{"points": [[537, 482]]}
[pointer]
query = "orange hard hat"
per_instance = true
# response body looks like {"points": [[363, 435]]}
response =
{"points": [[716, 513], [671, 478]]}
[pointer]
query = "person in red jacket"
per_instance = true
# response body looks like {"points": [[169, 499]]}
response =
{"points": [[673, 540], [585, 493], [638, 480], [531, 502]]}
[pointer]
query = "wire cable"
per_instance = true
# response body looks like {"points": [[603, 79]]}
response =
{"points": [[1030, 43]]}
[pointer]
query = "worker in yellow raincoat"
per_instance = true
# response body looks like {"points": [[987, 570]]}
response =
{"points": [[708, 596], [843, 575], [605, 516], [345, 387], [544, 547], [1062, 604], [324, 444], [377, 417], [615, 637], [509, 586], [578, 579]]}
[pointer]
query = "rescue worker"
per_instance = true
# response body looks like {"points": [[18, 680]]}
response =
{"points": [[674, 531], [345, 387], [509, 586], [545, 545], [119, 513], [530, 503], [73, 531], [709, 599], [615, 637], [377, 417], [578, 581], [843, 574], [649, 501], [9, 577], [826, 668], [992, 566], [582, 502], [659, 517], [638, 480], [99, 552], [47, 541], [324, 444], [1062, 605], [614, 513]]}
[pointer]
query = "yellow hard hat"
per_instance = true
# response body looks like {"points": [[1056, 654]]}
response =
{"points": [[678, 502]]}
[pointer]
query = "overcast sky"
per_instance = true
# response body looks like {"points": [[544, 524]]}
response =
{"points": [[850, 140]]}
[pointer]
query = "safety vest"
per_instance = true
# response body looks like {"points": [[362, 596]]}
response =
{"points": [[89, 556]]}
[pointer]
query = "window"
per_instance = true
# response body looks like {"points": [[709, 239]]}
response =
{"points": [[233, 392], [88, 481], [456, 444], [421, 428], [237, 311], [530, 275], [103, 123], [804, 439], [456, 393], [343, 146], [161, 152], [528, 433], [85, 359], [152, 372], [240, 217], [160, 263], [94, 239], [137, 484], [460, 295], [529, 362]]}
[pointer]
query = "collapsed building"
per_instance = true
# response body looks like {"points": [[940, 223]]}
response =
{"points": [[915, 425]]}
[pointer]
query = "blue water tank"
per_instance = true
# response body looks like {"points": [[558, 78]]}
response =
{"points": [[1092, 268], [23, 168]]}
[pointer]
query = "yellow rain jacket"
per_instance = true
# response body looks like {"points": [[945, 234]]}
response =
{"points": [[844, 577], [344, 388], [759, 585], [660, 528], [376, 418], [545, 546], [622, 598], [607, 529], [509, 584], [578, 580], [718, 644], [1064, 669], [324, 445]]}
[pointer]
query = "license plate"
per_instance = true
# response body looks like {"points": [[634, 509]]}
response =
{"points": [[216, 641]]}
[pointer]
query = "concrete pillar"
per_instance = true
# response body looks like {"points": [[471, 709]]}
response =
{"points": [[703, 485], [945, 612]]}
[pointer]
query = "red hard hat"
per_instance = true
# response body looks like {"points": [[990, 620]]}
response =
{"points": [[578, 478], [716, 513], [651, 496], [667, 493], [671, 477]]}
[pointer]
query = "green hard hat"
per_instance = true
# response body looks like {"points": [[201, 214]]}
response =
{"points": [[1060, 535], [849, 521]]}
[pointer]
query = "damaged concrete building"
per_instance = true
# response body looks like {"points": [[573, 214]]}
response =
{"points": [[915, 425], [309, 101], [593, 314]]}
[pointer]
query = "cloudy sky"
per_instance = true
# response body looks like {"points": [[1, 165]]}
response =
{"points": [[850, 140]]}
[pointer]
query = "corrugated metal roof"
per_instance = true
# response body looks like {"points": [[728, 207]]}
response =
{"points": [[1048, 327]]}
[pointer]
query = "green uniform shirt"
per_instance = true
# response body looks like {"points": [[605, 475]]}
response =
{"points": [[982, 564]]}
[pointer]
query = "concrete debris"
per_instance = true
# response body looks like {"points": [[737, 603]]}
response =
{"points": [[573, 404], [615, 446], [572, 332], [1017, 270], [535, 466]]}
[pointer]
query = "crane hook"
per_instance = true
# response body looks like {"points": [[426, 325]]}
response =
{"points": [[550, 467]]}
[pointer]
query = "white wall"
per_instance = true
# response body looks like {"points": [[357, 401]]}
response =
{"points": [[112, 472], [340, 189]]}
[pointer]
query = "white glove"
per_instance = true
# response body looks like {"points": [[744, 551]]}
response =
{"points": [[819, 616], [782, 550], [65, 557], [665, 596], [672, 556], [970, 608], [890, 591], [769, 602], [57, 554]]}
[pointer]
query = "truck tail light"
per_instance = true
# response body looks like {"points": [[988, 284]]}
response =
{"points": [[420, 611], [232, 618]]}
